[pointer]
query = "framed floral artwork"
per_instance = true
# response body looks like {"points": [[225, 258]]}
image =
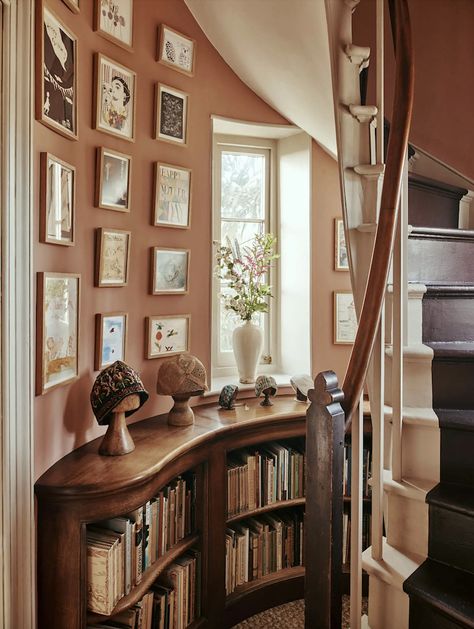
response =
{"points": [[172, 196], [114, 21], [112, 257], [110, 338], [170, 270], [56, 74], [58, 299], [167, 335], [57, 200], [341, 260], [171, 115], [114, 172], [115, 98], [175, 50], [345, 318]]}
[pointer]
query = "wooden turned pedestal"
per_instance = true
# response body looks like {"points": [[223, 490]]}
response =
{"points": [[182, 414], [117, 440]]}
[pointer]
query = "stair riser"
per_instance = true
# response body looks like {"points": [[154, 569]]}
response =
{"points": [[420, 451], [451, 538], [414, 318], [448, 319], [453, 383], [440, 261], [457, 459], [407, 528], [424, 617], [417, 382], [388, 606]]}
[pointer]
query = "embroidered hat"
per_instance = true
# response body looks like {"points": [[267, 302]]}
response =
{"points": [[227, 396], [263, 383], [112, 385], [183, 373]]}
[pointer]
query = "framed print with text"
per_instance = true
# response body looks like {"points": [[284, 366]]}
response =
{"points": [[167, 335], [345, 318], [112, 257], [176, 50], [57, 200], [114, 171], [172, 196], [110, 338]]}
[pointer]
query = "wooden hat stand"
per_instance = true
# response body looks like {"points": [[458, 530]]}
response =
{"points": [[117, 440]]}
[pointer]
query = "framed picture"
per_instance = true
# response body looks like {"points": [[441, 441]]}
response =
{"points": [[172, 196], [167, 335], [345, 318], [341, 260], [58, 299], [171, 116], [176, 50], [110, 338], [113, 257], [115, 98], [73, 5], [114, 21], [57, 200], [170, 270], [56, 74], [114, 172]]}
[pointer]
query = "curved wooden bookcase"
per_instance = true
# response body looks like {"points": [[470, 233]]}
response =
{"points": [[85, 487], [281, 504]]}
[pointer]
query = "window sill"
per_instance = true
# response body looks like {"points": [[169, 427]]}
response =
{"points": [[247, 390]]}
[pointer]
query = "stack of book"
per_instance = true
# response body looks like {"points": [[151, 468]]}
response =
{"points": [[259, 477], [259, 546], [119, 550], [346, 535], [366, 471]]}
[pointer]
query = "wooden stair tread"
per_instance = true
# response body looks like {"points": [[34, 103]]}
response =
{"points": [[441, 233], [457, 350], [461, 289], [453, 497], [456, 419]]}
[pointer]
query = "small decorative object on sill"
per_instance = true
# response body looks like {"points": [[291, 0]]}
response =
{"points": [[182, 377], [117, 393], [268, 386], [301, 384], [228, 396]]}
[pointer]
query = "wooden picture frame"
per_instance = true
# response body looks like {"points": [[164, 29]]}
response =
{"points": [[172, 108], [112, 257], [172, 206], [170, 271], [56, 73], [73, 5], [113, 20], [115, 98], [341, 259], [57, 201], [57, 350], [345, 318], [113, 177], [176, 50], [110, 338], [167, 335]]}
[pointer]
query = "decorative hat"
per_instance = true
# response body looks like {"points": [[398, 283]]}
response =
{"points": [[265, 382], [301, 384], [112, 385], [227, 396], [183, 373]]}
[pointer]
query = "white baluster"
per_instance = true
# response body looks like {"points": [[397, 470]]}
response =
{"points": [[356, 517]]}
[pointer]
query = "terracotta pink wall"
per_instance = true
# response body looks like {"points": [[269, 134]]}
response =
{"points": [[63, 418]]}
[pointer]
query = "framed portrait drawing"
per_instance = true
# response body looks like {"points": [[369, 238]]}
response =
{"points": [[172, 196], [73, 5], [167, 335], [114, 21], [56, 74], [115, 98], [345, 318], [57, 200], [170, 270], [171, 115], [110, 338], [176, 50], [114, 171], [112, 257], [341, 260], [58, 299]]}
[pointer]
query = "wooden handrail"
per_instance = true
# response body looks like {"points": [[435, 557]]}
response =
{"points": [[383, 247]]}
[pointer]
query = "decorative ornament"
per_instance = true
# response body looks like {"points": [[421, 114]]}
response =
{"points": [[228, 396], [268, 386], [301, 384]]}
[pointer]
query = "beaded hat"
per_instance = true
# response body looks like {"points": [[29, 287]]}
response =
{"points": [[112, 385], [181, 374], [265, 382], [227, 396]]}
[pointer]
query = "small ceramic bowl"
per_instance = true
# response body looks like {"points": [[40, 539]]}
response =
{"points": [[227, 396]]}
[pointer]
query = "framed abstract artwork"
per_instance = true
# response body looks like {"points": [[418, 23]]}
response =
{"points": [[114, 172], [175, 50], [341, 260], [172, 196], [114, 21], [112, 257], [171, 115], [57, 200], [167, 335], [110, 338], [56, 74], [170, 270], [58, 299], [345, 318]]}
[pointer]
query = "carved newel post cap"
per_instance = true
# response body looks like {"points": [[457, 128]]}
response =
{"points": [[268, 386]]}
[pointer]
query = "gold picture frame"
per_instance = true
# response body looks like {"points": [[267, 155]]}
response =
{"points": [[57, 201], [113, 20], [170, 271], [112, 257], [176, 50], [172, 110], [341, 258], [345, 318], [167, 335], [110, 338], [113, 178], [172, 206]]}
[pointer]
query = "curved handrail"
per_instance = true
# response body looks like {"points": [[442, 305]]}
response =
{"points": [[380, 263]]}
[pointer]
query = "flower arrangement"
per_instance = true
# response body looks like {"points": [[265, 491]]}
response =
{"points": [[246, 269]]}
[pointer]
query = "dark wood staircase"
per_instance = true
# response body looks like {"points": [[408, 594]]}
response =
{"points": [[441, 591]]}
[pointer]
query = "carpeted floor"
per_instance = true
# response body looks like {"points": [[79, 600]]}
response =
{"points": [[291, 616]]}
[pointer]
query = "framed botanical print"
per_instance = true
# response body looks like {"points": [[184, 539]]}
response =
{"points": [[115, 98], [345, 318], [58, 299], [171, 115], [114, 172], [114, 21], [167, 335], [112, 257], [110, 338], [170, 270], [57, 200], [73, 5], [56, 74], [172, 196], [341, 260], [176, 50]]}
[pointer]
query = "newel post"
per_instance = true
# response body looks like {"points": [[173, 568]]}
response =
{"points": [[324, 504]]}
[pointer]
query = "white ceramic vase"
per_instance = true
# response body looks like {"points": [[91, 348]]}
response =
{"points": [[247, 341]]}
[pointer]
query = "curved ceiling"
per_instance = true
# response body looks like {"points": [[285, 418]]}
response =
{"points": [[280, 49]]}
